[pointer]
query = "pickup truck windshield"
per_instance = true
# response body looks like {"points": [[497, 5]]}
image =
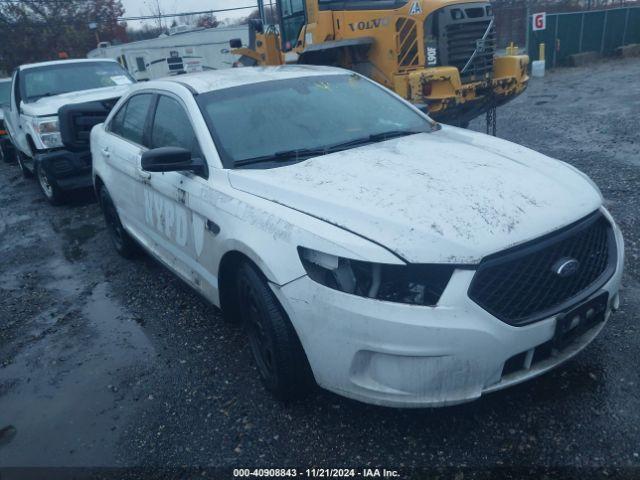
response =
{"points": [[290, 120], [5, 93], [47, 81]]}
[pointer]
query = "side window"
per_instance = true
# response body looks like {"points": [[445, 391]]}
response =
{"points": [[129, 122], [117, 122], [172, 127], [142, 67]]}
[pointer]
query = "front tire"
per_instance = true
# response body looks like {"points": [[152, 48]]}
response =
{"points": [[279, 356], [122, 241], [50, 190]]}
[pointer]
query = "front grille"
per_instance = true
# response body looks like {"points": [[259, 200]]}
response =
{"points": [[521, 285], [462, 40], [460, 31], [77, 120]]}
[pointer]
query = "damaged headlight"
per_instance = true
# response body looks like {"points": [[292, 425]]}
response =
{"points": [[48, 129], [409, 284]]}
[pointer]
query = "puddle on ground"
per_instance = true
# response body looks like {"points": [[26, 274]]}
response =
{"points": [[74, 240], [7, 434], [76, 397]]}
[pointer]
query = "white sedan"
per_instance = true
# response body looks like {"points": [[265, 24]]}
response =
{"points": [[366, 248]]}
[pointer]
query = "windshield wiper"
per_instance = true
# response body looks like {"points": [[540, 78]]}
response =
{"points": [[376, 137], [284, 156], [304, 153]]}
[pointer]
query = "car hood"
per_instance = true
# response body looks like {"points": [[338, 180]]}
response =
{"points": [[50, 105], [452, 196]]}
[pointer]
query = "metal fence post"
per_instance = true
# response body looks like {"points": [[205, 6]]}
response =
{"points": [[581, 33], [626, 25], [604, 32], [555, 42]]}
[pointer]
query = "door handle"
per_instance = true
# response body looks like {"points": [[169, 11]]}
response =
{"points": [[105, 152]]}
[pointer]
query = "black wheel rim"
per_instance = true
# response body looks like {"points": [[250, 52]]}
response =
{"points": [[259, 341], [114, 225]]}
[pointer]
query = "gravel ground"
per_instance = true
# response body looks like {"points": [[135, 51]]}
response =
{"points": [[106, 362]]}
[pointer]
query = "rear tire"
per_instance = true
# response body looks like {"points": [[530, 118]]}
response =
{"points": [[49, 189], [26, 173], [277, 351], [122, 241]]}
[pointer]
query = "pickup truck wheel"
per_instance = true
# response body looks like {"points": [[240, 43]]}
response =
{"points": [[54, 195], [26, 173], [275, 346], [122, 241]]}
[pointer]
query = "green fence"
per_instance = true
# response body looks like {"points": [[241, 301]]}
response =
{"points": [[599, 31]]}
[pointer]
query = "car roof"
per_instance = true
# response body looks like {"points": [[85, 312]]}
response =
{"points": [[209, 81], [65, 62]]}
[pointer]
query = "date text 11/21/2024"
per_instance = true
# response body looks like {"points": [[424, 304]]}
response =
{"points": [[316, 473]]}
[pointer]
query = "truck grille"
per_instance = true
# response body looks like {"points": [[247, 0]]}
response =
{"points": [[521, 285], [77, 120], [461, 29], [462, 41]]}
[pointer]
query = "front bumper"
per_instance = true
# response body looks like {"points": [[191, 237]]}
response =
{"points": [[409, 356], [452, 101], [67, 170]]}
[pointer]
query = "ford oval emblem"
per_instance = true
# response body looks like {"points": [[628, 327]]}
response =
{"points": [[566, 267]]}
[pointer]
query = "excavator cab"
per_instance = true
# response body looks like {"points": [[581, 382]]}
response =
{"points": [[293, 18]]}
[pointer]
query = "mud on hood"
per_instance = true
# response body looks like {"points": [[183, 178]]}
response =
{"points": [[50, 105], [453, 196]]}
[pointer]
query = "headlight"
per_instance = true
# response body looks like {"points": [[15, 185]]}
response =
{"points": [[48, 129], [410, 284]]}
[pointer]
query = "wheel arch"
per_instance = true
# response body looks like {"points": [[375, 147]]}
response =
{"points": [[32, 146], [226, 283]]}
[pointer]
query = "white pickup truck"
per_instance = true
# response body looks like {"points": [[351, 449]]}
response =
{"points": [[45, 96]]}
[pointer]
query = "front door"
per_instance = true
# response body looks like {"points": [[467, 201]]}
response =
{"points": [[175, 214], [17, 133]]}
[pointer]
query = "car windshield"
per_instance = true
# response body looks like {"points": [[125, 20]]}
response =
{"points": [[39, 82], [293, 119], [5, 93]]}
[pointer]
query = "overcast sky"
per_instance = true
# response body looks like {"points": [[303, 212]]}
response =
{"points": [[134, 8]]}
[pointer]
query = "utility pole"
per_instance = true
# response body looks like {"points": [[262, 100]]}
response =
{"points": [[526, 24]]}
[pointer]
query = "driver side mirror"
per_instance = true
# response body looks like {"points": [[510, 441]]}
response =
{"points": [[172, 159]]}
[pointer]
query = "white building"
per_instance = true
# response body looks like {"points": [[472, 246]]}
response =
{"points": [[180, 52]]}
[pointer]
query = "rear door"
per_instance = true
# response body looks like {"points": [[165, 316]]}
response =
{"points": [[122, 152]]}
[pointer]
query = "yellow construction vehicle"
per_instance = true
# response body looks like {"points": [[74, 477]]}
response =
{"points": [[438, 54]]}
